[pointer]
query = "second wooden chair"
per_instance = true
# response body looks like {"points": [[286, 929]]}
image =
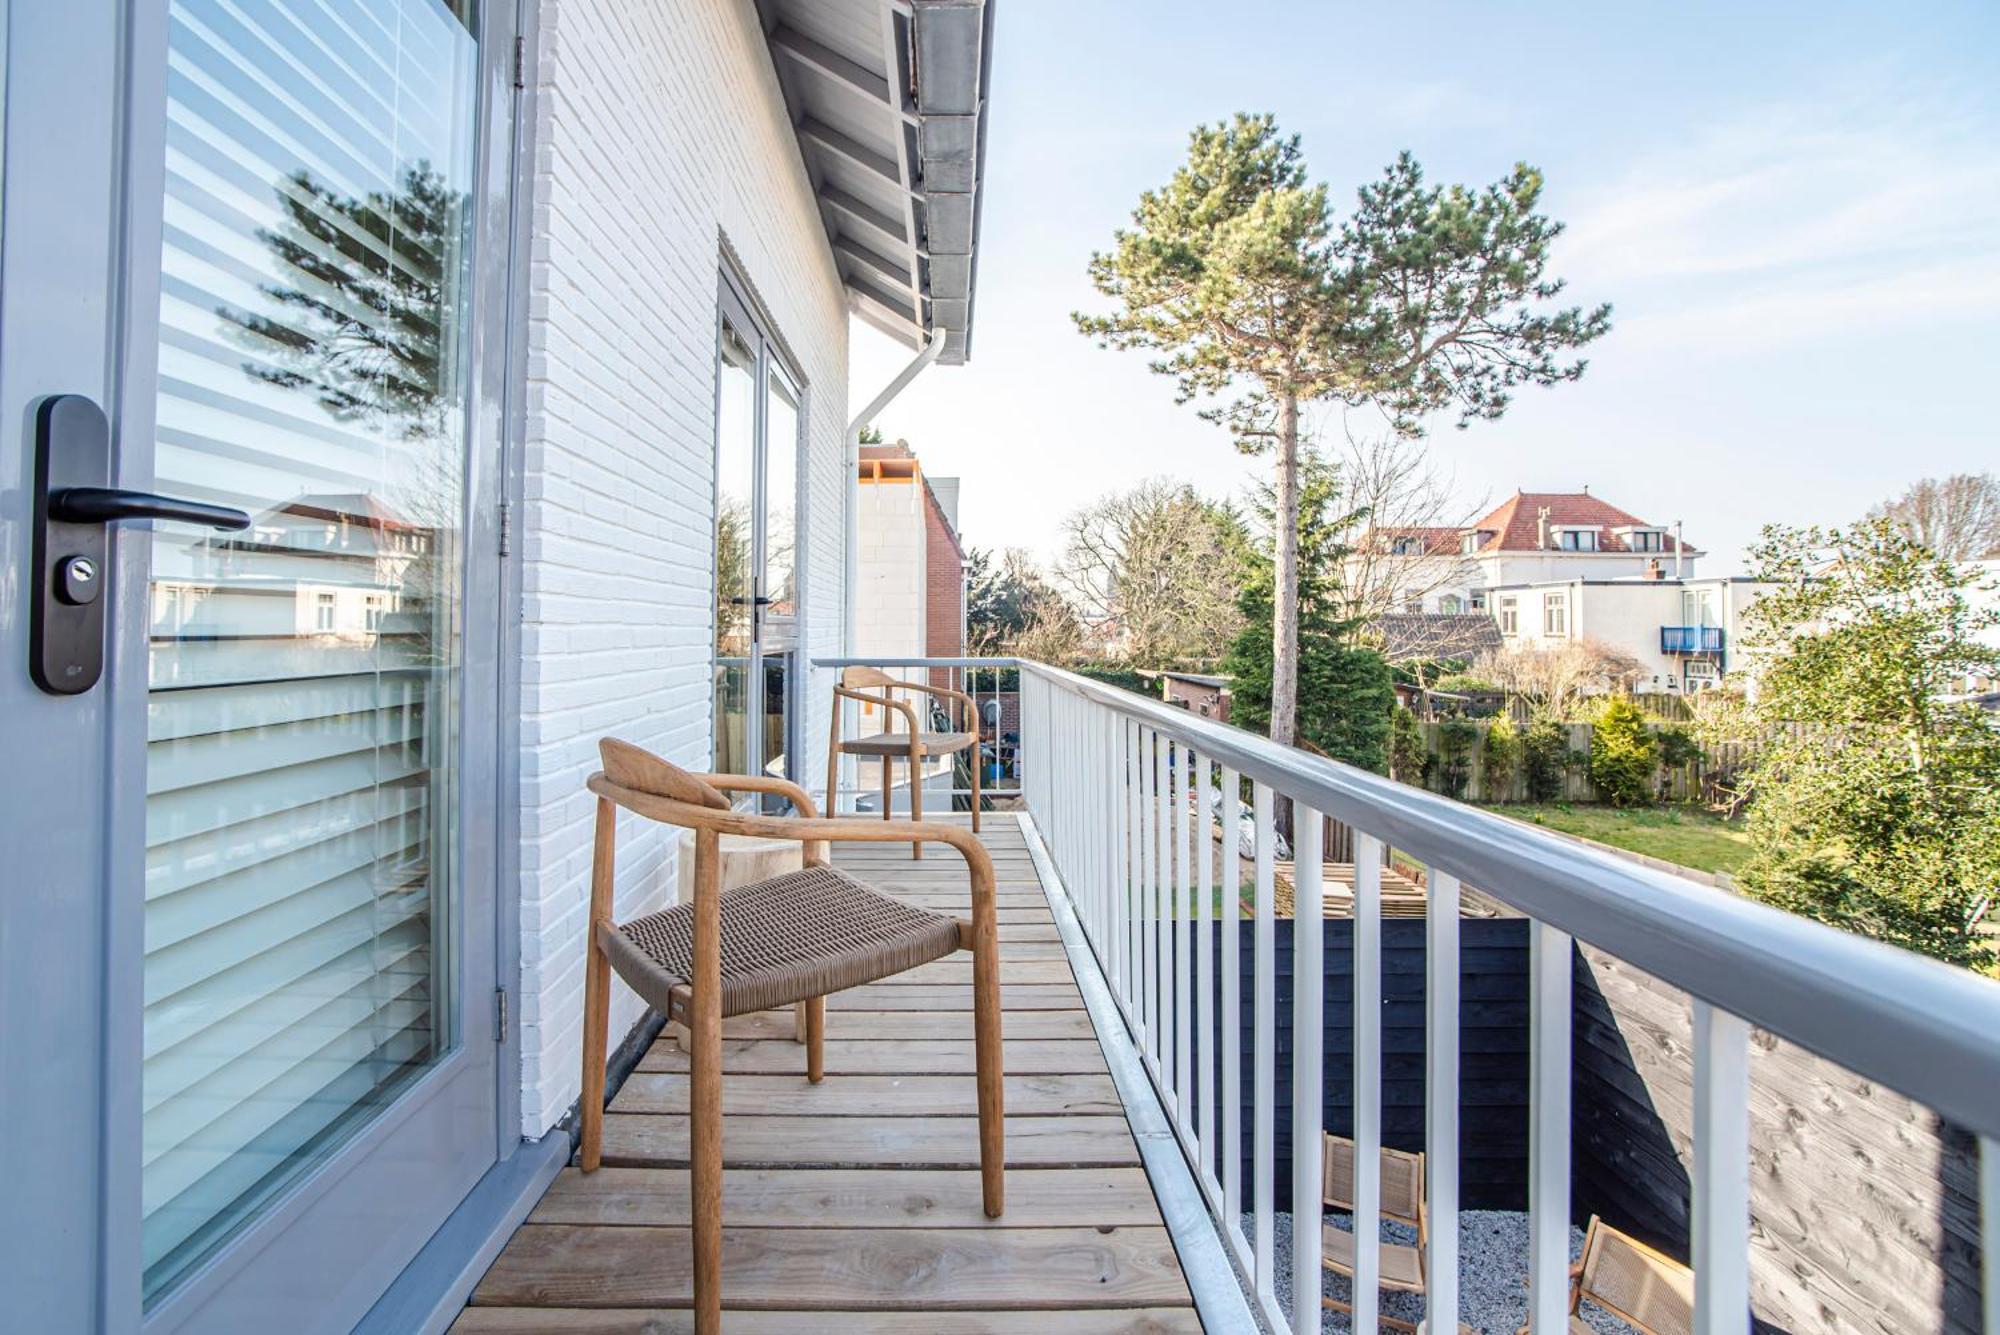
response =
{"points": [[876, 689]]}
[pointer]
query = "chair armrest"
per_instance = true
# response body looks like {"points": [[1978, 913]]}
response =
{"points": [[971, 721], [763, 783], [900, 706]]}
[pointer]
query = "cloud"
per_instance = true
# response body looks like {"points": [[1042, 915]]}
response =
{"points": [[1798, 221]]}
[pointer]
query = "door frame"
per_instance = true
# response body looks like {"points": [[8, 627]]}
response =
{"points": [[71, 1255], [737, 303]]}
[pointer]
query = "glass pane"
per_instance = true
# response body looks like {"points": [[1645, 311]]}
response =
{"points": [[302, 721], [735, 550], [781, 503], [777, 670]]}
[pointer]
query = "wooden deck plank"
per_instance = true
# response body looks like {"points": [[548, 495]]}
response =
{"points": [[873, 1096], [855, 1204], [955, 997], [859, 1024], [905, 1056], [666, 1321], [926, 1270], [854, 1198], [661, 1139]]}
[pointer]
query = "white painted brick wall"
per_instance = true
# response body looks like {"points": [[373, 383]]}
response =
{"points": [[889, 575], [659, 129]]}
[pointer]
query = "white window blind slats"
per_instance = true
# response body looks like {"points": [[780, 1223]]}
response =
{"points": [[302, 721]]}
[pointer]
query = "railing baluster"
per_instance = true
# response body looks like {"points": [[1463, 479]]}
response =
{"points": [[1721, 1187], [1232, 1004], [1308, 1026], [1162, 1016], [1204, 959], [1264, 1036], [1549, 1022], [1183, 982], [1135, 869], [1367, 1077], [1441, 1099]]}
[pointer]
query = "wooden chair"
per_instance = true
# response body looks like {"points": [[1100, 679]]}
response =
{"points": [[1645, 1288], [791, 938], [1401, 1266], [915, 745]]}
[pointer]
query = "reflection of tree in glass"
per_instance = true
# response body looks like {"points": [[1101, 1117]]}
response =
{"points": [[366, 323], [732, 577]]}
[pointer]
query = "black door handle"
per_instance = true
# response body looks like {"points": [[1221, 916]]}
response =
{"points": [[109, 505], [75, 545], [758, 601]]}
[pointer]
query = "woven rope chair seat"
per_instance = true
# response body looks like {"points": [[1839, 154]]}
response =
{"points": [[898, 743], [803, 934]]}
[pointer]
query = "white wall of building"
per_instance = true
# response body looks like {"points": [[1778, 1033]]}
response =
{"points": [[660, 131], [1627, 615], [891, 575]]}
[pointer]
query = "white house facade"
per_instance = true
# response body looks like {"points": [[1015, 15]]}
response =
{"points": [[1687, 635]]}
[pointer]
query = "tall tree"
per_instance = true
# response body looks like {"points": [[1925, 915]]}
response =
{"points": [[1957, 517], [1007, 599], [1882, 813], [1235, 274], [1157, 561], [1344, 691]]}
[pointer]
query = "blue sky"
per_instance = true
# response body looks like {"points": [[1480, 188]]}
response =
{"points": [[1794, 209]]}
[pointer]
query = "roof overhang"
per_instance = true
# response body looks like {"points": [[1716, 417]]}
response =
{"points": [[888, 100]]}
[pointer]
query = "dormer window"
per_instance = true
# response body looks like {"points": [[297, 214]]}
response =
{"points": [[1473, 539], [1577, 539], [1644, 539], [1406, 546]]}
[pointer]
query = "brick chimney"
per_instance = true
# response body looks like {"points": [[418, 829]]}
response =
{"points": [[1653, 570]]}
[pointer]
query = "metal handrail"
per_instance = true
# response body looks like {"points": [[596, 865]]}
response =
{"points": [[1915, 1024]]}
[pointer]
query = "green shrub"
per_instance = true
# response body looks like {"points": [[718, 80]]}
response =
{"points": [[1545, 758], [1409, 758], [1677, 746], [1501, 758], [1456, 738], [1464, 681], [1624, 758]]}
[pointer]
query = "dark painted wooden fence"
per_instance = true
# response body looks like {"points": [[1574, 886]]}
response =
{"points": [[1493, 1050], [1864, 1204]]}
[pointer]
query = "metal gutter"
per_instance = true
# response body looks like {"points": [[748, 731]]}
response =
{"points": [[851, 497]]}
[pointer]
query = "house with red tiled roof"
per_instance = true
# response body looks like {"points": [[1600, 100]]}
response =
{"points": [[1531, 537]]}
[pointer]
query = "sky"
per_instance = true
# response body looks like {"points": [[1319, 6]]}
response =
{"points": [[1794, 210]]}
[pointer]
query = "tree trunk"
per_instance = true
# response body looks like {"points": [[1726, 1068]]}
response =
{"points": [[1285, 596]]}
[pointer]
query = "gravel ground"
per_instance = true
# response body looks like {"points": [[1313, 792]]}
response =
{"points": [[1492, 1261]]}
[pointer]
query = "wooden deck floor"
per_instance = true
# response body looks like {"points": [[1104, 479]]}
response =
{"points": [[854, 1205]]}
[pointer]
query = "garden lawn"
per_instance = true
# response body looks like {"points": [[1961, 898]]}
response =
{"points": [[1687, 836]]}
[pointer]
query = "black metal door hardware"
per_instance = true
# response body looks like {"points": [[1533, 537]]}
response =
{"points": [[73, 551]]}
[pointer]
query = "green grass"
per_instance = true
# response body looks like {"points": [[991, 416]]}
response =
{"points": [[1686, 836]]}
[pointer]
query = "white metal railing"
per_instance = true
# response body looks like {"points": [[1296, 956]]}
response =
{"points": [[1107, 777]]}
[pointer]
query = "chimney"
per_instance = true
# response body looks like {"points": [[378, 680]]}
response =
{"points": [[1677, 549], [1542, 528], [1653, 570]]}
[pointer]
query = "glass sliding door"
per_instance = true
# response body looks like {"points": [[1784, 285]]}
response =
{"points": [[305, 676], [758, 602]]}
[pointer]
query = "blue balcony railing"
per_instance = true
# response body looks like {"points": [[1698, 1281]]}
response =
{"points": [[1690, 639]]}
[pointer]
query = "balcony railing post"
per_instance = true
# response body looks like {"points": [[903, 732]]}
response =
{"points": [[1989, 1229], [1308, 1025], [1441, 1099], [1721, 1250], [1549, 1021], [1204, 956], [1367, 1076], [1183, 1072], [1264, 1040], [1232, 1003]]}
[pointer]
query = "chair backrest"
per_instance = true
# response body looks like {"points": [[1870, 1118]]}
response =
{"points": [[1402, 1180], [636, 768], [866, 678], [1648, 1288]]}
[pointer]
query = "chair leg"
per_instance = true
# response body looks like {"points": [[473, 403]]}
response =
{"points": [[888, 789], [815, 1040], [990, 1063], [705, 1093], [916, 798], [975, 783], [597, 990]]}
